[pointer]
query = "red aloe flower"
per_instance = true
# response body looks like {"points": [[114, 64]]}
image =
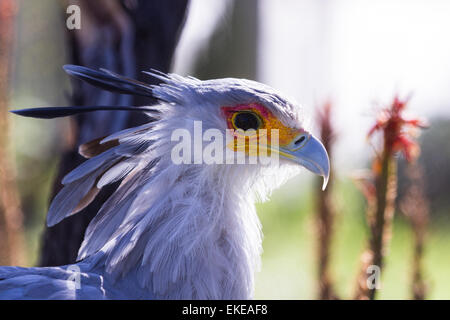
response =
{"points": [[394, 126]]}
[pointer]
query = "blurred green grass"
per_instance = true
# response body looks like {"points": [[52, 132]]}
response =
{"points": [[289, 258]]}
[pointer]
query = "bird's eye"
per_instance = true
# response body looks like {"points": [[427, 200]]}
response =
{"points": [[246, 120]]}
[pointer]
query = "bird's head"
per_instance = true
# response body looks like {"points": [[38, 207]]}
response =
{"points": [[236, 119]]}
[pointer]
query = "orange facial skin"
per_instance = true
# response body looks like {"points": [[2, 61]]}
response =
{"points": [[269, 122]]}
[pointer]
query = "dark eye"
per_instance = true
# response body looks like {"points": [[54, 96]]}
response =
{"points": [[246, 121]]}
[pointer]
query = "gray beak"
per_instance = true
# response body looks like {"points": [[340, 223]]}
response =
{"points": [[311, 154]]}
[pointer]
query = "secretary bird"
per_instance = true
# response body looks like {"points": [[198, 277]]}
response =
{"points": [[172, 230]]}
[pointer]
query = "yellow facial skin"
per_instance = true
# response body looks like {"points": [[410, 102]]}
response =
{"points": [[270, 135]]}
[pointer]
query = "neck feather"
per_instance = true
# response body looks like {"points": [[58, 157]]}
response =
{"points": [[193, 235]]}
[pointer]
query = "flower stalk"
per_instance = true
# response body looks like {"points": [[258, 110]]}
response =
{"points": [[325, 212]]}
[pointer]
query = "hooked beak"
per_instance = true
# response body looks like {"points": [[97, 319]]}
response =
{"points": [[309, 153]]}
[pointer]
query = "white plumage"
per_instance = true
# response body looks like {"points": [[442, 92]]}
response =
{"points": [[169, 231]]}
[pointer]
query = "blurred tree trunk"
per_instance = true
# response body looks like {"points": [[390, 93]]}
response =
{"points": [[126, 37], [11, 236]]}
